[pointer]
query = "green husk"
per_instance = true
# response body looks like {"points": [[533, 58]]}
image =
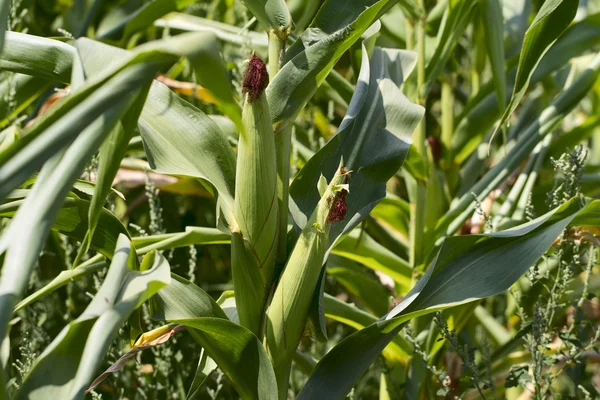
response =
{"points": [[288, 311], [254, 229]]}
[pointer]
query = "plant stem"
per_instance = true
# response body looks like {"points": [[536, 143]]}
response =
{"points": [[277, 40], [418, 200], [283, 144], [447, 117]]}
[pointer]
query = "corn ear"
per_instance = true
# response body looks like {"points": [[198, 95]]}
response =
{"points": [[254, 229], [288, 311]]}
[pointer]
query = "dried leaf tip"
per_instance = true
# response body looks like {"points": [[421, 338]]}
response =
{"points": [[255, 78]]}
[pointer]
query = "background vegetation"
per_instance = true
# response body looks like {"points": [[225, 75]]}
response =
{"points": [[463, 266]]}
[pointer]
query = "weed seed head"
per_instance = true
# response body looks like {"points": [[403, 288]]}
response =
{"points": [[255, 78]]}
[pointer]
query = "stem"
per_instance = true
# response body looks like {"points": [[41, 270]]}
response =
{"points": [[418, 200], [277, 41], [447, 117], [283, 144]]}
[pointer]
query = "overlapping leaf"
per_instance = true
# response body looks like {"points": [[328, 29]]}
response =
{"points": [[465, 269], [239, 354], [310, 59], [372, 141], [68, 365], [549, 23]]}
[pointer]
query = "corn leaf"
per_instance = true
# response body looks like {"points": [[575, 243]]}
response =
{"points": [[238, 353], [37, 56], [272, 14], [465, 269], [68, 365], [454, 23], [142, 18], [360, 285], [549, 23], [493, 25], [310, 59], [377, 102]]}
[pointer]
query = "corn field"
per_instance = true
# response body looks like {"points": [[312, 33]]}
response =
{"points": [[302, 199]]}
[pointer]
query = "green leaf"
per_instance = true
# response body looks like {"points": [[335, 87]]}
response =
{"points": [[362, 286], [377, 102], [362, 248], [64, 139], [465, 269], [454, 23], [181, 140], [493, 25], [72, 220], [398, 350], [395, 212], [272, 14], [463, 208], [238, 353], [37, 56], [68, 365], [483, 111], [549, 23], [224, 32], [91, 55], [144, 244], [142, 18], [310, 59]]}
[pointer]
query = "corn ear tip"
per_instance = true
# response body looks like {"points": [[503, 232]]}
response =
{"points": [[255, 79]]}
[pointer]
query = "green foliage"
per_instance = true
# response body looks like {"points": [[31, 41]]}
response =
{"points": [[378, 242]]}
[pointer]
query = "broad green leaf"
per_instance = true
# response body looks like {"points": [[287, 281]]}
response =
{"points": [[166, 122], [68, 365], [226, 33], [310, 59], [143, 17], [238, 353], [37, 56], [92, 55], [363, 287], [549, 23], [62, 279], [372, 154], [398, 350], [483, 111], [81, 107], [197, 236], [578, 39], [464, 207], [393, 211], [362, 248], [65, 138], [181, 140], [454, 23], [465, 269], [272, 14], [493, 25]]}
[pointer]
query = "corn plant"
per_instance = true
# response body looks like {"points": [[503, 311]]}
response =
{"points": [[397, 153]]}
